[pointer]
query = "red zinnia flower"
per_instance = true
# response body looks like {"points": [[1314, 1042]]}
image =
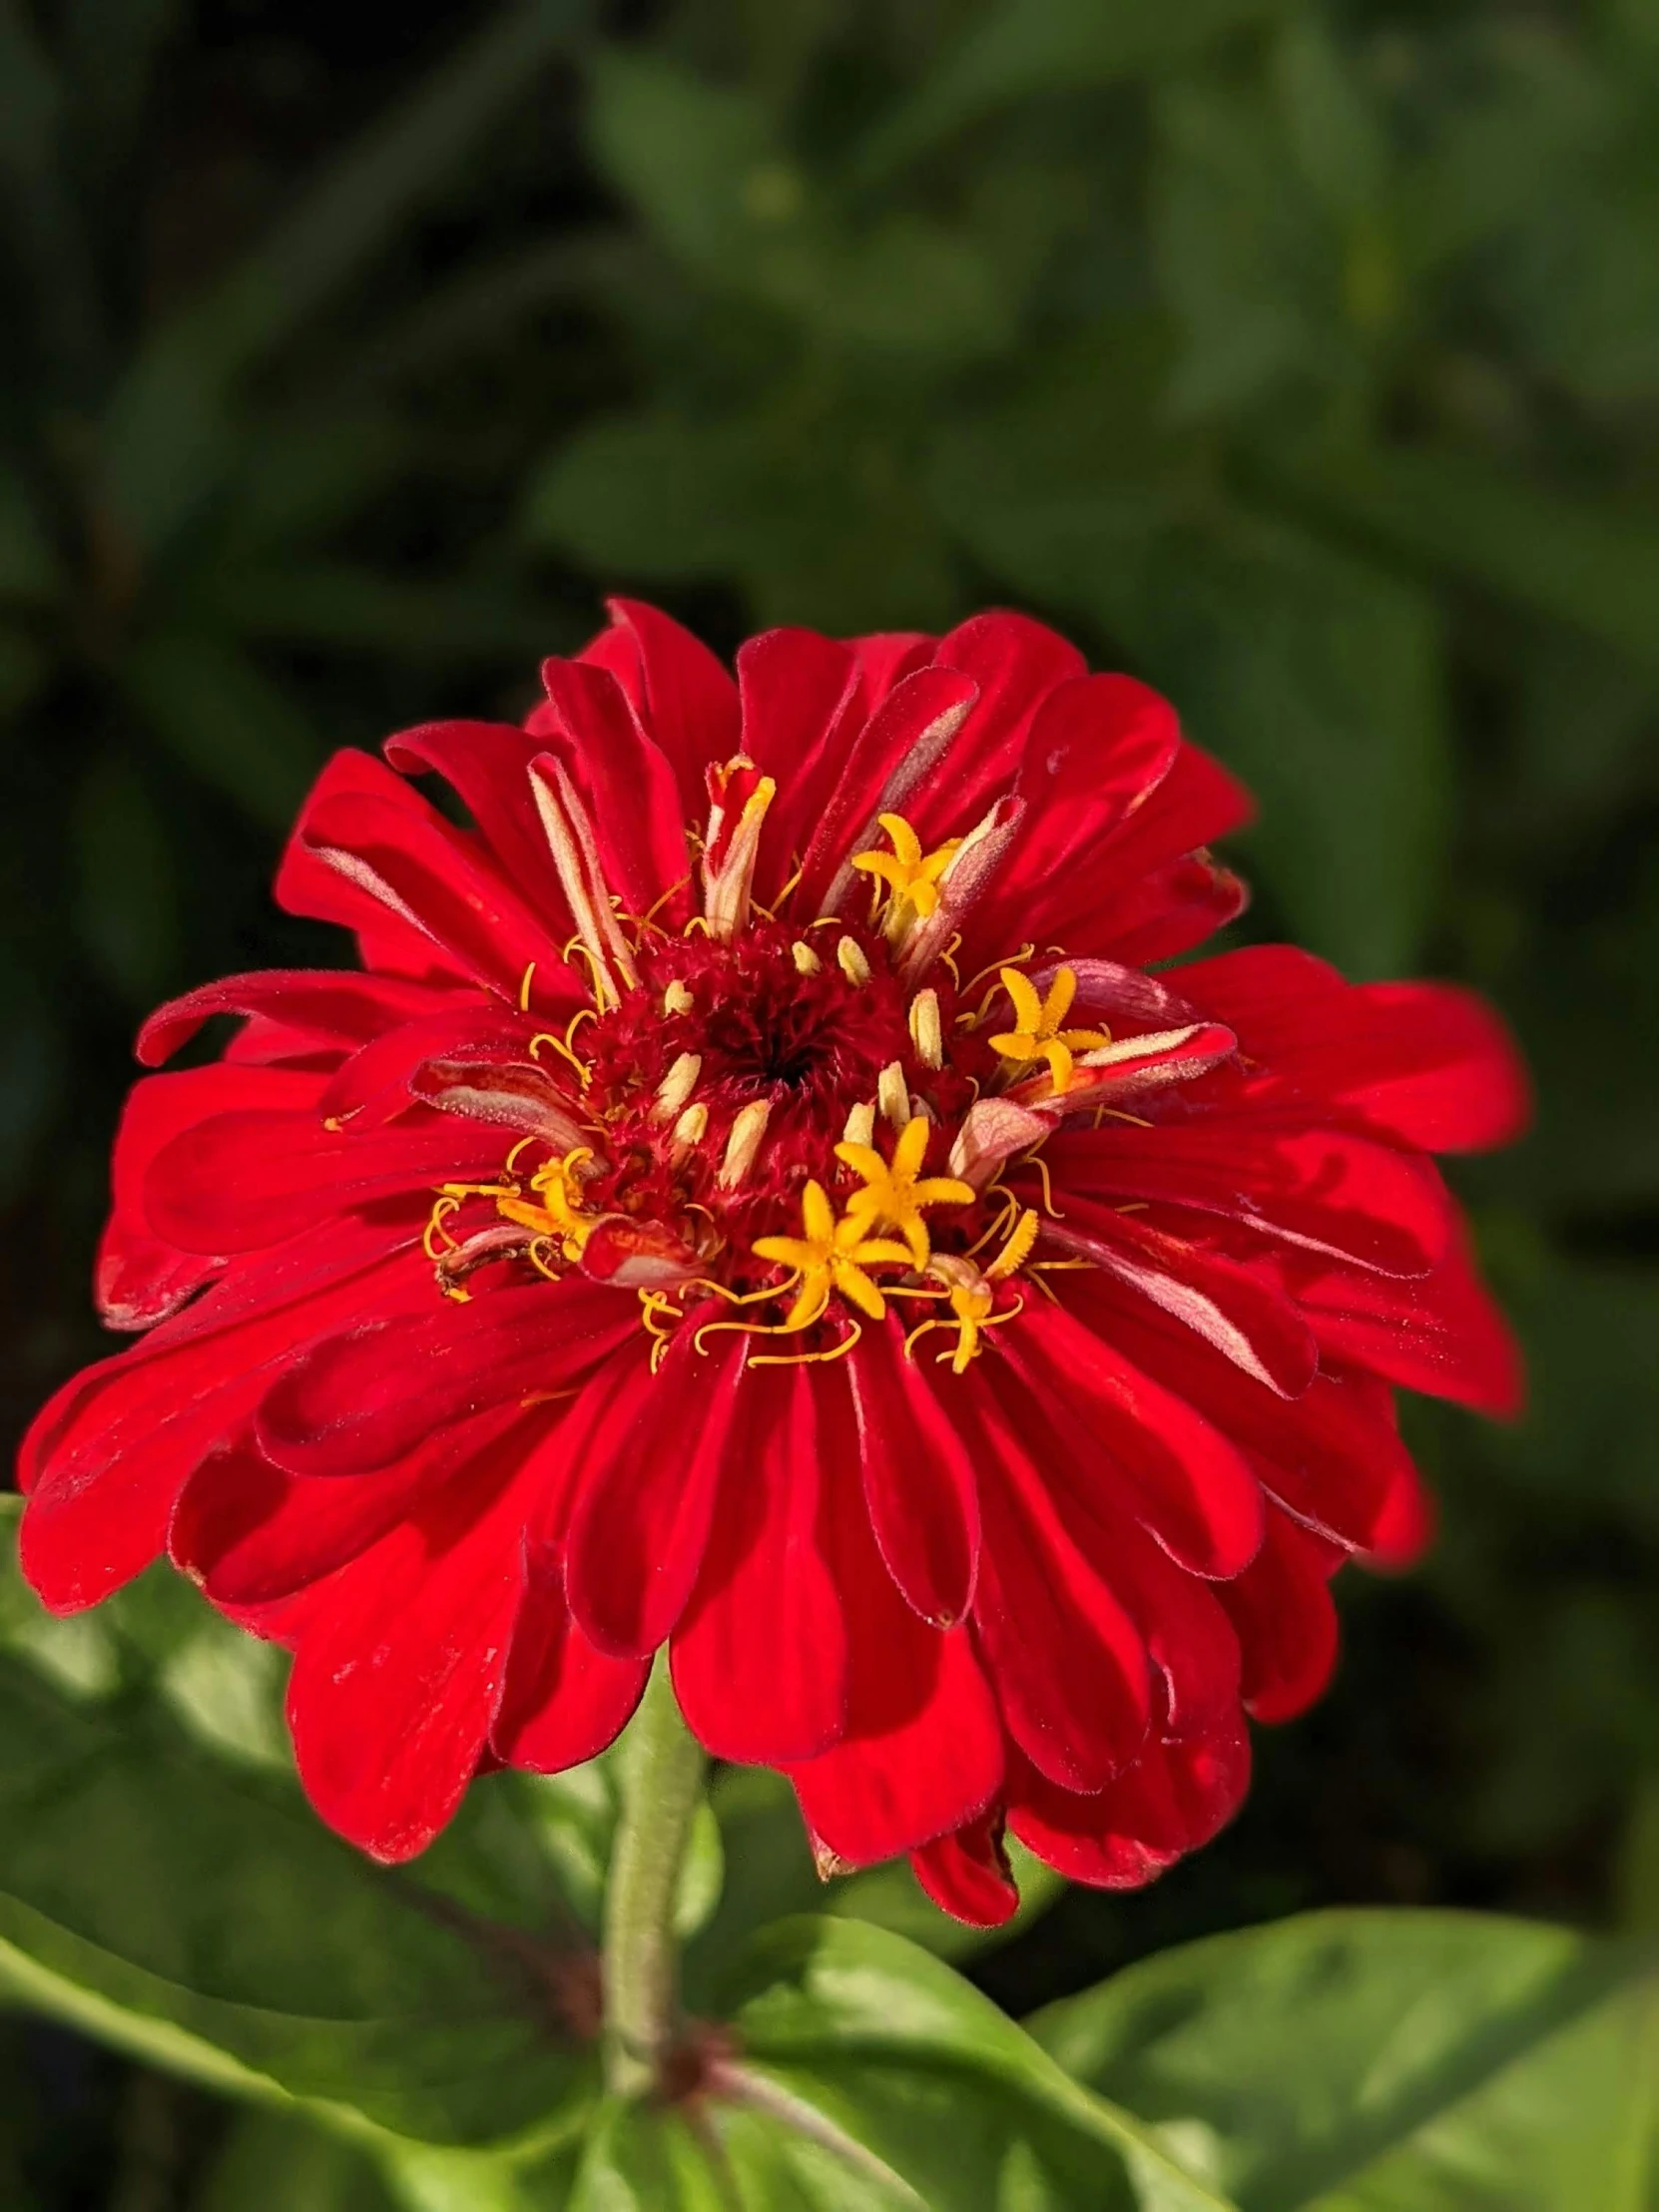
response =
{"points": [[757, 1197]]}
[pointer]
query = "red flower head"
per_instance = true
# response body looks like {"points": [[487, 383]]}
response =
{"points": [[757, 1197]]}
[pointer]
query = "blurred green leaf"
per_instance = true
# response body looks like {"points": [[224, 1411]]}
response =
{"points": [[1017, 49], [28, 568], [200, 1917], [219, 713], [702, 164], [126, 908], [1567, 557], [165, 436], [1391, 2062], [273, 2162], [852, 2034]]}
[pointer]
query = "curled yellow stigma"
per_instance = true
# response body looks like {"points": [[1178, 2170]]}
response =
{"points": [[911, 875], [1038, 1034], [971, 1296], [830, 1256], [895, 1191], [556, 1210]]}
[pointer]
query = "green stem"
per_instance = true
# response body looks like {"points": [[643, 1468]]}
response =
{"points": [[662, 1786]]}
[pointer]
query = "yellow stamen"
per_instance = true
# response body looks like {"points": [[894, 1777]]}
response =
{"points": [[743, 1143], [524, 988], [1039, 1033], [861, 1123], [806, 961], [911, 875], [849, 958], [693, 1125], [677, 999], [925, 1031], [677, 1086], [830, 1256], [895, 1193], [892, 1095]]}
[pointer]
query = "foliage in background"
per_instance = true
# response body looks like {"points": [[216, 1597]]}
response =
{"points": [[1304, 357]]}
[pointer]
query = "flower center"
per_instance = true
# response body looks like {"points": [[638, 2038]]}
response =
{"points": [[804, 1117]]}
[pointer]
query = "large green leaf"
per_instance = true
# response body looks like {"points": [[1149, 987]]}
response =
{"points": [[852, 2037], [200, 1917], [1018, 47], [1376, 2062], [216, 710]]}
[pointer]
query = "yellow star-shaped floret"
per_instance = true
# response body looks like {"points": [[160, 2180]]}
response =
{"points": [[830, 1256], [1037, 1033], [894, 1197], [910, 873]]}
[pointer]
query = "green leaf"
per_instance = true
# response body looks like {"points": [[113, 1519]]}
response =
{"points": [[1378, 2061], [198, 1917], [1018, 49], [1570, 558], [28, 567], [855, 2039], [273, 2161], [230, 722]]}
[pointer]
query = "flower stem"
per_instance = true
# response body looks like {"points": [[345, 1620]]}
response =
{"points": [[662, 1786]]}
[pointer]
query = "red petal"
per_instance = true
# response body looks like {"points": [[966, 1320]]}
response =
{"points": [[362, 1401], [1331, 1456], [801, 697], [678, 690], [1097, 749], [1287, 1624], [1324, 1189], [380, 1074], [760, 1657], [398, 864], [967, 1874], [1180, 1478], [1070, 1667], [1442, 1336], [919, 1479], [141, 1277], [1237, 1310], [1015, 664], [565, 1701], [105, 1459], [1174, 1800], [1426, 1062], [395, 1688], [628, 784], [488, 764], [238, 1182], [922, 1753], [655, 1448], [321, 1008], [251, 1533]]}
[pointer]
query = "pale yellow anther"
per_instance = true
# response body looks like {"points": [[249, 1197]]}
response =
{"points": [[849, 958], [677, 999], [1037, 1033], [926, 1031], [830, 1256], [806, 961], [1017, 1249], [911, 875], [896, 1191], [693, 1125], [892, 1095], [743, 1144], [677, 1085], [861, 1123]]}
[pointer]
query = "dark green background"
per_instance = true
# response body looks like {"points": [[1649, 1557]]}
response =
{"points": [[1302, 358]]}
